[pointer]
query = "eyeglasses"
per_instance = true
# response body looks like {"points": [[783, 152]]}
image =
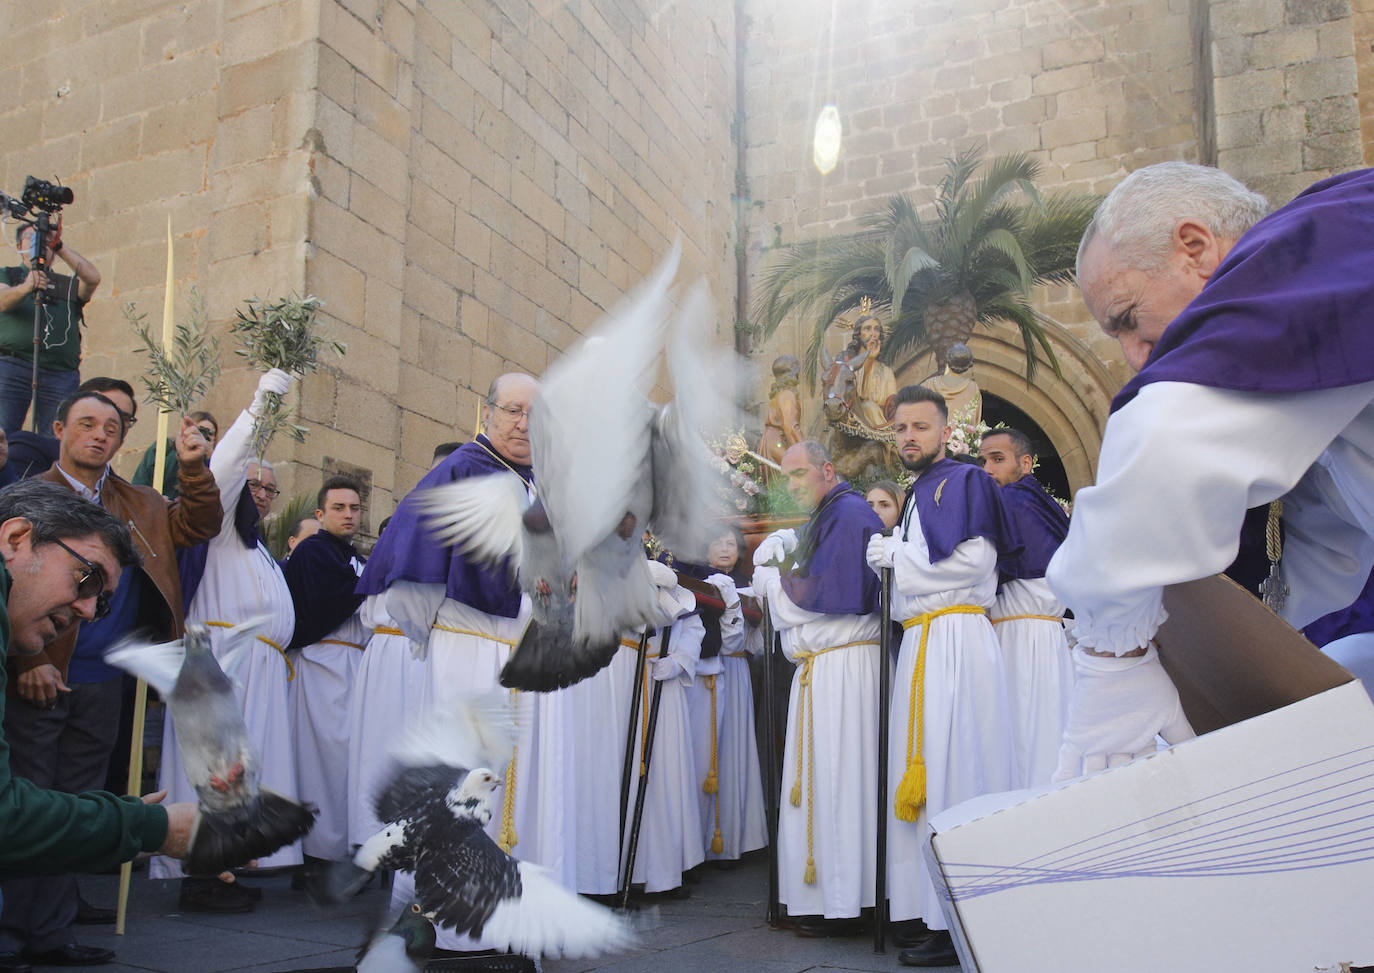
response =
{"points": [[91, 583], [257, 486], [513, 412], [130, 420]]}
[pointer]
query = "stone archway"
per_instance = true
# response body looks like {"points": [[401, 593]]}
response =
{"points": [[1071, 410]]}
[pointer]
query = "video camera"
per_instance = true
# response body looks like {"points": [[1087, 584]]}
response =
{"points": [[42, 195], [35, 207]]}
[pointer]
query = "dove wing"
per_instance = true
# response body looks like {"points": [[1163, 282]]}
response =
{"points": [[589, 431], [479, 514], [461, 875], [156, 663]]}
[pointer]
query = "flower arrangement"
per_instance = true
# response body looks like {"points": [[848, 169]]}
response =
{"points": [[178, 377], [738, 486], [968, 432], [281, 335]]}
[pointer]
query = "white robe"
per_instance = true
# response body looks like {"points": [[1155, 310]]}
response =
{"points": [[966, 732], [240, 584], [387, 689], [1180, 465], [670, 831], [321, 696], [843, 743], [1039, 671]]}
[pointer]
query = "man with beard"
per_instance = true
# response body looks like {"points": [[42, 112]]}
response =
{"points": [[1028, 617], [951, 733], [824, 605]]}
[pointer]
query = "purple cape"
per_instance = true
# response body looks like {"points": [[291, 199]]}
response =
{"points": [[1290, 309], [956, 502], [831, 576], [1041, 524], [320, 575], [1356, 618], [407, 551]]}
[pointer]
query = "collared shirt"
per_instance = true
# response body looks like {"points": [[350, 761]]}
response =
{"points": [[81, 488]]}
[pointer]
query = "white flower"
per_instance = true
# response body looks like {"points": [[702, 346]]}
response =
{"points": [[957, 446]]}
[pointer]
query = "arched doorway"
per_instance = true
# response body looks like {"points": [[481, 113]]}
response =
{"points": [[1069, 409]]}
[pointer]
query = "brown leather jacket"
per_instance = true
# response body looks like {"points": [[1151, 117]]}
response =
{"points": [[158, 527]]}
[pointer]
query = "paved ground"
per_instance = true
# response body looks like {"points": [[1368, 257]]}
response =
{"points": [[720, 928]]}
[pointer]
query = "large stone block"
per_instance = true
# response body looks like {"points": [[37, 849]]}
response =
{"points": [[1321, 79]]}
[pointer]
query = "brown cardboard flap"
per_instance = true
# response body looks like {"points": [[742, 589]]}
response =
{"points": [[1232, 658]]}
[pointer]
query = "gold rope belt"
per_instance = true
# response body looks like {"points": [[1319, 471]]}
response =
{"points": [[911, 792], [737, 655], [806, 715], [711, 785], [351, 645], [644, 709], [386, 630], [1014, 618], [506, 838], [290, 669]]}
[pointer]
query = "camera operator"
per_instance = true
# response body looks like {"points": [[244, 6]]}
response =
{"points": [[60, 317]]}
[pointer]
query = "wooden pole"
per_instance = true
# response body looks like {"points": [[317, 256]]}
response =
{"points": [[135, 781]]}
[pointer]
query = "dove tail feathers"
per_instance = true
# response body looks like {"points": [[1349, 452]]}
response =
{"points": [[546, 659], [546, 919], [226, 839]]}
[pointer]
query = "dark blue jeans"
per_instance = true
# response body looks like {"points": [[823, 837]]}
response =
{"points": [[16, 376]]}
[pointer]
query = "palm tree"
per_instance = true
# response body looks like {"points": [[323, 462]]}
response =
{"points": [[976, 260]]}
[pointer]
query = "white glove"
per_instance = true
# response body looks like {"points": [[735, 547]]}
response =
{"points": [[661, 575], [1117, 707], [775, 547], [667, 668], [882, 552], [274, 380], [726, 586]]}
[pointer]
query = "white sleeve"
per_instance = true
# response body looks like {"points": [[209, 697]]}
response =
{"points": [[969, 563], [684, 645], [783, 610], [414, 606], [1180, 465], [226, 464]]}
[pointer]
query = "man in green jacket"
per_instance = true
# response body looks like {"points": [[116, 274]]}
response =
{"points": [[62, 559]]}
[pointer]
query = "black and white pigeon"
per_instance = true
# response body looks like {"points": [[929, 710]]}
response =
{"points": [[435, 808], [238, 821], [608, 464], [404, 948]]}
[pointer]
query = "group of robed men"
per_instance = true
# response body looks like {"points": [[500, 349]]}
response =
{"points": [[982, 676]]}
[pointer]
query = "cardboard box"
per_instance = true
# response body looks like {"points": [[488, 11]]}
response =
{"points": [[1249, 848]]}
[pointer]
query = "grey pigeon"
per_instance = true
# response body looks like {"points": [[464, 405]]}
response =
{"points": [[435, 810], [608, 465], [238, 821], [404, 948]]}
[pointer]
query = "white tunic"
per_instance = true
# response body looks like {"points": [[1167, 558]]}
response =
{"points": [[387, 689], [966, 736], [240, 584], [838, 778], [670, 832], [1180, 465], [321, 696], [1039, 671]]}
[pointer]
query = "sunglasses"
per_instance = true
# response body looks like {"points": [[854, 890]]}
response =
{"points": [[91, 583]]}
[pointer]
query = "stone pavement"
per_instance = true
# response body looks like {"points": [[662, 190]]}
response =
{"points": [[721, 927]]}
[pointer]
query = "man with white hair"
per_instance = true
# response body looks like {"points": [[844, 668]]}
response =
{"points": [[1251, 336]]}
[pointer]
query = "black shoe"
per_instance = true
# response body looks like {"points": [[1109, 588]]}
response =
{"points": [[92, 915], [252, 892], [908, 932], [816, 927], [72, 954], [14, 963], [938, 950], [212, 895]]}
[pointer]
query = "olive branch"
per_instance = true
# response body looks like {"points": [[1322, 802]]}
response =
{"points": [[180, 376]]}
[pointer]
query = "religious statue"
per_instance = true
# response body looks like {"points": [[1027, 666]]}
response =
{"points": [[957, 386], [782, 421], [875, 385]]}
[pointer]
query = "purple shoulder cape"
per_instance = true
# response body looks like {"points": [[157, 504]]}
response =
{"points": [[1351, 620], [1041, 524], [1290, 309], [407, 551], [957, 502], [319, 574], [831, 575]]}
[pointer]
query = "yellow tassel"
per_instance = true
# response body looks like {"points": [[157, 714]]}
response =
{"points": [[796, 793], [911, 792], [717, 845], [711, 785], [810, 877]]}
